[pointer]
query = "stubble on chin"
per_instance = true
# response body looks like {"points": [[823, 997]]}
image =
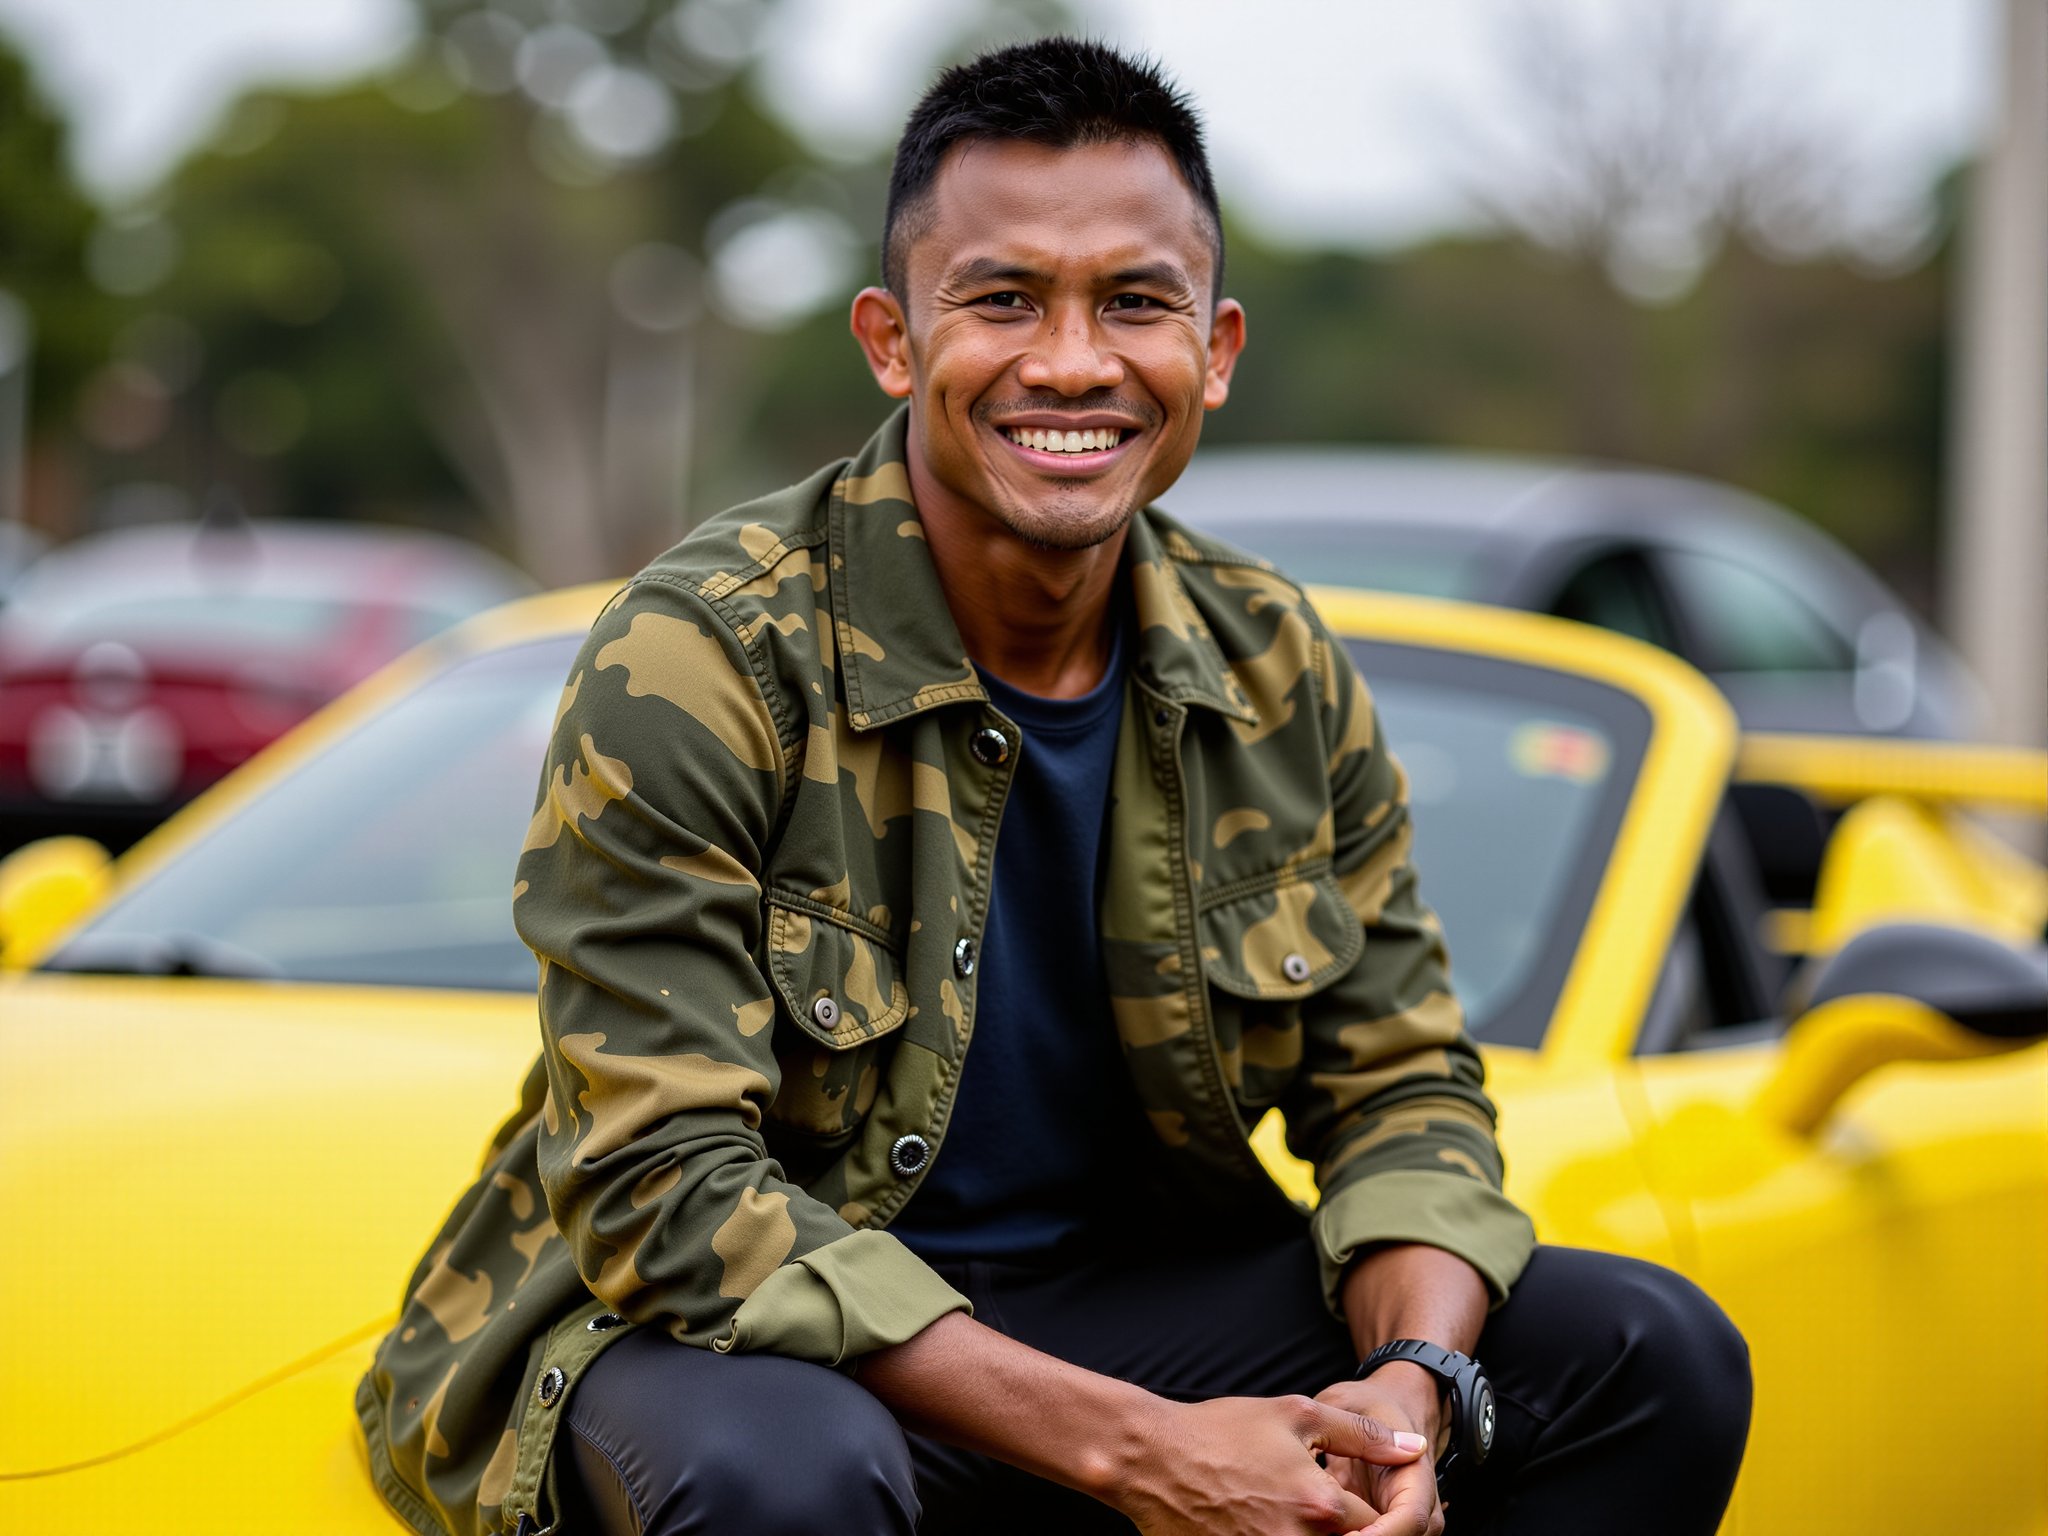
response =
{"points": [[1066, 522]]}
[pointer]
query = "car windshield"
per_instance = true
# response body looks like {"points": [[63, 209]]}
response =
{"points": [[1518, 778], [388, 857]]}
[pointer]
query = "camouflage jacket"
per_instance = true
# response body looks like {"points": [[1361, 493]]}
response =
{"points": [[754, 880]]}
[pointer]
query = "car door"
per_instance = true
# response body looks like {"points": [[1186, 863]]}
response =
{"points": [[1890, 1273], [1889, 1269]]}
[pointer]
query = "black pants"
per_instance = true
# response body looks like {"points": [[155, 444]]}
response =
{"points": [[1623, 1391]]}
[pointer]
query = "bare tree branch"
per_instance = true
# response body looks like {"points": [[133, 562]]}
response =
{"points": [[1642, 148]]}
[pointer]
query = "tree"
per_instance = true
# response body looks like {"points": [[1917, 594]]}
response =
{"points": [[1643, 147], [450, 293], [46, 226]]}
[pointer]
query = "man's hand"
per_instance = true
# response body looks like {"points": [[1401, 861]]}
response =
{"points": [[1405, 1291], [1248, 1466], [1404, 1495], [1235, 1466]]}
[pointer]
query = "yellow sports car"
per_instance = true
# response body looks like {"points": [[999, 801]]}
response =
{"points": [[243, 1073]]}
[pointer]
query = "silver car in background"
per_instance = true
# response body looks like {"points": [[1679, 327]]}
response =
{"points": [[1797, 632]]}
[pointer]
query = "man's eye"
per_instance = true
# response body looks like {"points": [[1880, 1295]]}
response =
{"points": [[1008, 299], [1133, 301]]}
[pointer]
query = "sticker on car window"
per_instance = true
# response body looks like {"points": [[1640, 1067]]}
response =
{"points": [[1543, 749]]}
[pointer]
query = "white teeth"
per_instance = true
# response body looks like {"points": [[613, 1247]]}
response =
{"points": [[1092, 441]]}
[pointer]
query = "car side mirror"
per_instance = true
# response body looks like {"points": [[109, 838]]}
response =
{"points": [[1887, 679], [44, 887], [1904, 992]]}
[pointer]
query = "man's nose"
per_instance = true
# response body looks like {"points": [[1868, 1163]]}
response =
{"points": [[1068, 356]]}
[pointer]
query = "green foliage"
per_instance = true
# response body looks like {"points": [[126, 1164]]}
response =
{"points": [[400, 286], [45, 223], [288, 274]]}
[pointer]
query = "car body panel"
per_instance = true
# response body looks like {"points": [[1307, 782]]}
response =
{"points": [[1898, 860], [284, 1456], [1841, 772], [1566, 1137], [1899, 1256], [245, 1183], [1905, 842], [299, 1140]]}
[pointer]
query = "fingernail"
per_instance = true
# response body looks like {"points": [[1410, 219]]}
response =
{"points": [[1406, 1442]]}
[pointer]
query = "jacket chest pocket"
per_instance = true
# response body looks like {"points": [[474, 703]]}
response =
{"points": [[1264, 950], [841, 992]]}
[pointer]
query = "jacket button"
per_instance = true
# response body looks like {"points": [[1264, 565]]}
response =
{"points": [[604, 1322], [963, 957], [908, 1154], [991, 748], [1295, 968], [826, 1012], [549, 1388]]}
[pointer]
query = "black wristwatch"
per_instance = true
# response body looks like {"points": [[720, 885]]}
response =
{"points": [[1466, 1390]]}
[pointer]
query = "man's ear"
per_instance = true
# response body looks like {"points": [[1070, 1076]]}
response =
{"points": [[1226, 341], [880, 327]]}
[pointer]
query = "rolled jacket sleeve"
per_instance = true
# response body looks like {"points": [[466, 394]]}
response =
{"points": [[638, 890], [1390, 1105]]}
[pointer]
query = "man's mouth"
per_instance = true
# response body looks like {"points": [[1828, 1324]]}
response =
{"points": [[1053, 440]]}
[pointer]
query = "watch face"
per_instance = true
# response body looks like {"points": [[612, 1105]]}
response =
{"points": [[1485, 1417]]}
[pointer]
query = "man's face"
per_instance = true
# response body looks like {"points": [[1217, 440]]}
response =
{"points": [[1057, 340]]}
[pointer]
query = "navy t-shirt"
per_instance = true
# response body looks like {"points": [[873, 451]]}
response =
{"points": [[1045, 1117]]}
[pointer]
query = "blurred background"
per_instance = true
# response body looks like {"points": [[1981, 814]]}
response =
{"points": [[542, 282]]}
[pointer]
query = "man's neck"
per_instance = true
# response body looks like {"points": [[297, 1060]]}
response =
{"points": [[1040, 619]]}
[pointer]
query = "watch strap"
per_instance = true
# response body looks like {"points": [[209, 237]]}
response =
{"points": [[1467, 1394], [1444, 1364]]}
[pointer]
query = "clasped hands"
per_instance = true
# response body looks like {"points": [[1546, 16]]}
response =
{"points": [[1359, 1457]]}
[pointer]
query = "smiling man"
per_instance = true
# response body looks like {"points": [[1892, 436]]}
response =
{"points": [[880, 1172]]}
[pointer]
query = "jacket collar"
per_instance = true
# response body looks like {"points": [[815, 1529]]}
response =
{"points": [[900, 652]]}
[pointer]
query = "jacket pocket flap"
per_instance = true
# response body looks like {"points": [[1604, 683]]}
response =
{"points": [[841, 986], [1283, 942]]}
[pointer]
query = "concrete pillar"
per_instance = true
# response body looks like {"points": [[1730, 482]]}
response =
{"points": [[1995, 595]]}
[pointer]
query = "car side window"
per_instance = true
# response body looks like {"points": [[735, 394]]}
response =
{"points": [[1744, 620], [1720, 985], [1616, 592]]}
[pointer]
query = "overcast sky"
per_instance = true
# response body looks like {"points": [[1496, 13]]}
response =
{"points": [[1327, 118]]}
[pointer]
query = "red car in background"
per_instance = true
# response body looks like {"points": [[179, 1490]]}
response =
{"points": [[138, 666]]}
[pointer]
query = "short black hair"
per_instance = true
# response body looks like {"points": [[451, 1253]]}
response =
{"points": [[1061, 92]]}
